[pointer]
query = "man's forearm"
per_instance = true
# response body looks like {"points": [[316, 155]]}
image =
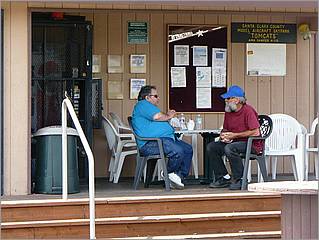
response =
{"points": [[244, 134], [248, 133], [162, 117]]}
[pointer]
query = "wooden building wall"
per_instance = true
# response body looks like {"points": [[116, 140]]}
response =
{"points": [[293, 94]]}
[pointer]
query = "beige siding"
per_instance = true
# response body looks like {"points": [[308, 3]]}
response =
{"points": [[17, 100], [293, 94]]}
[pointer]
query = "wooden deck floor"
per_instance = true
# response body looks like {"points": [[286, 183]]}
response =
{"points": [[104, 189], [153, 212]]}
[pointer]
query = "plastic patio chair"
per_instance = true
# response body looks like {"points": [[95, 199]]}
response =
{"points": [[265, 131], [120, 145], [142, 160], [286, 139], [309, 149], [118, 123]]}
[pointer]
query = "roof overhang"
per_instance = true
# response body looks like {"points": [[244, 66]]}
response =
{"points": [[251, 3]]}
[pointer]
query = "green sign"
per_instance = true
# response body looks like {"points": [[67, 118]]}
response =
{"points": [[263, 33], [137, 32]]}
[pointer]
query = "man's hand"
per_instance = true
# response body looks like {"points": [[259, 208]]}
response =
{"points": [[225, 137], [228, 137], [171, 113], [164, 116]]}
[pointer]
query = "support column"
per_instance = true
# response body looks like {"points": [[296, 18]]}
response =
{"points": [[17, 139]]}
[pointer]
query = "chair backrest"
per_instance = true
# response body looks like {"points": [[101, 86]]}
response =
{"points": [[303, 129], [284, 133], [265, 125], [116, 120], [129, 119], [110, 133]]}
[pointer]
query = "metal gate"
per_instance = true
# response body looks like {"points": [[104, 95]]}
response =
{"points": [[61, 62]]}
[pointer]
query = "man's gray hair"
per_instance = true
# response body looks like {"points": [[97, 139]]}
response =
{"points": [[242, 100]]}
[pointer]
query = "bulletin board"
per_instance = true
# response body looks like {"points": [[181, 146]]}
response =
{"points": [[184, 97]]}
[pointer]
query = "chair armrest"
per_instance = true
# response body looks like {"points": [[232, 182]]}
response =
{"points": [[307, 139], [255, 138], [147, 139], [125, 128], [159, 141], [250, 143], [127, 136]]}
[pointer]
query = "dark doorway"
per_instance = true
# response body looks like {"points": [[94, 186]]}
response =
{"points": [[61, 62]]}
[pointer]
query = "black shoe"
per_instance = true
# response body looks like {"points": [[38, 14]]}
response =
{"points": [[220, 183], [235, 185]]}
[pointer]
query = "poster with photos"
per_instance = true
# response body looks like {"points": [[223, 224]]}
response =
{"points": [[200, 57], [135, 86], [138, 63]]}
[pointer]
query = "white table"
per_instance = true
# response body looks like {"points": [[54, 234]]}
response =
{"points": [[194, 134], [299, 207]]}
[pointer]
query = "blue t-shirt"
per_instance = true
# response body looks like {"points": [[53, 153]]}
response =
{"points": [[145, 126]]}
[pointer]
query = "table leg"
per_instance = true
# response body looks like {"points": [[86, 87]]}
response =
{"points": [[208, 170], [195, 158]]}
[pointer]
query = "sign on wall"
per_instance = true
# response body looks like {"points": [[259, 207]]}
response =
{"points": [[266, 59], [263, 33], [137, 32]]}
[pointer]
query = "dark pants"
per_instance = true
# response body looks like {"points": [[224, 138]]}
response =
{"points": [[216, 150], [179, 155]]}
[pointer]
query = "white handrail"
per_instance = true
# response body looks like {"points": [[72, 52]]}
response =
{"points": [[67, 105]]}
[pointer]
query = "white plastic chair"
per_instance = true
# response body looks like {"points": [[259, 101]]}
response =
{"points": [[122, 127], [118, 123], [120, 145], [309, 149], [286, 139]]}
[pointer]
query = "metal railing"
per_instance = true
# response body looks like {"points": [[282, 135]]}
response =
{"points": [[67, 105]]}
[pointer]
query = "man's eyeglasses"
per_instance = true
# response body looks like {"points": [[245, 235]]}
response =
{"points": [[230, 98], [156, 96]]}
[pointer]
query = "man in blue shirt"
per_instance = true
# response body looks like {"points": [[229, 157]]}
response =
{"points": [[149, 121]]}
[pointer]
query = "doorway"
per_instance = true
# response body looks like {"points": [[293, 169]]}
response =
{"points": [[61, 63]]}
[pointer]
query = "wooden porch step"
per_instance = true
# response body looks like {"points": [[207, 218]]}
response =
{"points": [[158, 225], [58, 209], [246, 235]]}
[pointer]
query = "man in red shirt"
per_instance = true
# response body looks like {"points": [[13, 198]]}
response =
{"points": [[240, 122]]}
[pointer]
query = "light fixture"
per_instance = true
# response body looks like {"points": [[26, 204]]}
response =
{"points": [[304, 30]]}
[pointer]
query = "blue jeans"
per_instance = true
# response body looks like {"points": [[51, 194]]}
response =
{"points": [[179, 155]]}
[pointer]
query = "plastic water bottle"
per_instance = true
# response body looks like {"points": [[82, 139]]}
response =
{"points": [[182, 122], [198, 122]]}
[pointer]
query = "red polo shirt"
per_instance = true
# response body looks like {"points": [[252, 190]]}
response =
{"points": [[245, 119]]}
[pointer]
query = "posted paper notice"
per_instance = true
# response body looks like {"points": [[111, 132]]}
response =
{"points": [[178, 77]]}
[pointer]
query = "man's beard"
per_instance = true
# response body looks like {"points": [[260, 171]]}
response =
{"points": [[230, 107]]}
